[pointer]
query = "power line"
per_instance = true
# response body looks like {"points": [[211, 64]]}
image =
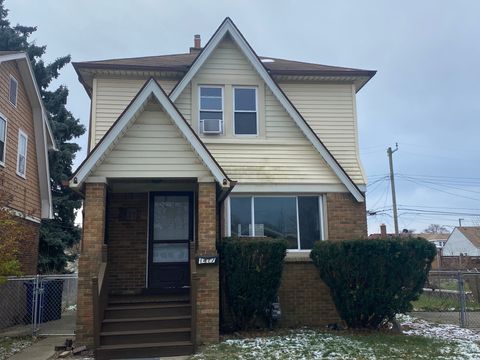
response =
{"points": [[443, 191]]}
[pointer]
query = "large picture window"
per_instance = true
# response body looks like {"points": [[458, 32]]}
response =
{"points": [[298, 219], [245, 111]]}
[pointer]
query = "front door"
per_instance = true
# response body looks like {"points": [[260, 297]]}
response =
{"points": [[171, 230]]}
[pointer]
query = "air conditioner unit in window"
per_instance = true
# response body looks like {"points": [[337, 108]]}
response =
{"points": [[211, 126]]}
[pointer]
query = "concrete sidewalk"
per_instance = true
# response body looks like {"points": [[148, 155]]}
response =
{"points": [[41, 350]]}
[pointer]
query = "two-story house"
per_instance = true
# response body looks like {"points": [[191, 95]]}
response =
{"points": [[25, 139], [190, 148]]}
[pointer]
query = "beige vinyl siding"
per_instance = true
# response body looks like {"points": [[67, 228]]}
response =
{"points": [[111, 96], [280, 153], [273, 162], [330, 111], [152, 147]]}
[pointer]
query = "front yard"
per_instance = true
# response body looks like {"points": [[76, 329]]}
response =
{"points": [[422, 340]]}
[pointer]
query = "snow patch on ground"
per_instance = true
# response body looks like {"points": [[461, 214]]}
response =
{"points": [[468, 340], [415, 326]]}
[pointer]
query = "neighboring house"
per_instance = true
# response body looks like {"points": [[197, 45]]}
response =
{"points": [[189, 148], [439, 239], [25, 138], [383, 234], [464, 240]]}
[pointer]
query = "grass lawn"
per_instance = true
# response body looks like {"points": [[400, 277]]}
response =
{"points": [[311, 344], [427, 302]]}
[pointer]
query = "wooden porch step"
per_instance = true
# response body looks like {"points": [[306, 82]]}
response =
{"points": [[146, 323], [140, 310], [143, 350], [152, 299], [145, 336]]}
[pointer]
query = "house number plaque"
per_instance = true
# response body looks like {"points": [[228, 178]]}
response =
{"points": [[207, 260]]}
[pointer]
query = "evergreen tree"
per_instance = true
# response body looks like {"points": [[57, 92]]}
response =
{"points": [[60, 233]]}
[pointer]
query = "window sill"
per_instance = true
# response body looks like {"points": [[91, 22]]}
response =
{"points": [[23, 176]]}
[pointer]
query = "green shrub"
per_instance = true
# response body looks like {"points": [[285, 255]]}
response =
{"points": [[372, 280], [251, 273]]}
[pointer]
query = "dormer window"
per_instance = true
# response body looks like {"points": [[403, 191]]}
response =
{"points": [[13, 91], [211, 110], [245, 111]]}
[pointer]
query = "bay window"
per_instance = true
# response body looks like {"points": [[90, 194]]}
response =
{"points": [[298, 219]]}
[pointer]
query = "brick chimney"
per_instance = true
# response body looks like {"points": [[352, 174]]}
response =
{"points": [[383, 230], [197, 44]]}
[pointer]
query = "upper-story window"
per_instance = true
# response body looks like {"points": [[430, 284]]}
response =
{"points": [[245, 111], [22, 154], [3, 140], [13, 91], [211, 110]]}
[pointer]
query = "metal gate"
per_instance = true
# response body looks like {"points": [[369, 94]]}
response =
{"points": [[38, 305], [451, 297]]}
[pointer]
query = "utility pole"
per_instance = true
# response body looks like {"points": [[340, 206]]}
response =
{"points": [[392, 184], [460, 222]]}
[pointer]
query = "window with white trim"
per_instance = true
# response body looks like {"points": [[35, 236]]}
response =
{"points": [[3, 140], [22, 154], [13, 91], [298, 219], [211, 109], [245, 120]]}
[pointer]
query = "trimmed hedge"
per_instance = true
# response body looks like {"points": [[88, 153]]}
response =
{"points": [[251, 274], [372, 280]]}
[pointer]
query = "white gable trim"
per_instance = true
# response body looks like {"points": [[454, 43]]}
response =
{"points": [[151, 88], [229, 27]]}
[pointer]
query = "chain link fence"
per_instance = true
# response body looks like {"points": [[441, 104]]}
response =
{"points": [[38, 305], [451, 297]]}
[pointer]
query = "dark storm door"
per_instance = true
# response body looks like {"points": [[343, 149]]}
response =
{"points": [[171, 230]]}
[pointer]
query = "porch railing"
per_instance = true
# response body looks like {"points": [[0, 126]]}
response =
{"points": [[100, 299], [193, 296]]}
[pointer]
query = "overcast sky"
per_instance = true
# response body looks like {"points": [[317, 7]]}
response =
{"points": [[425, 96]]}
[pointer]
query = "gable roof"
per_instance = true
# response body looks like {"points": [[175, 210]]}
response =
{"points": [[149, 89], [472, 233], [228, 27], [182, 63], [43, 133]]}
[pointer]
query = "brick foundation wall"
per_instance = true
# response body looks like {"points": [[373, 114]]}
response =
{"points": [[127, 221], [347, 218], [304, 298], [208, 297], [28, 247], [90, 258]]}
